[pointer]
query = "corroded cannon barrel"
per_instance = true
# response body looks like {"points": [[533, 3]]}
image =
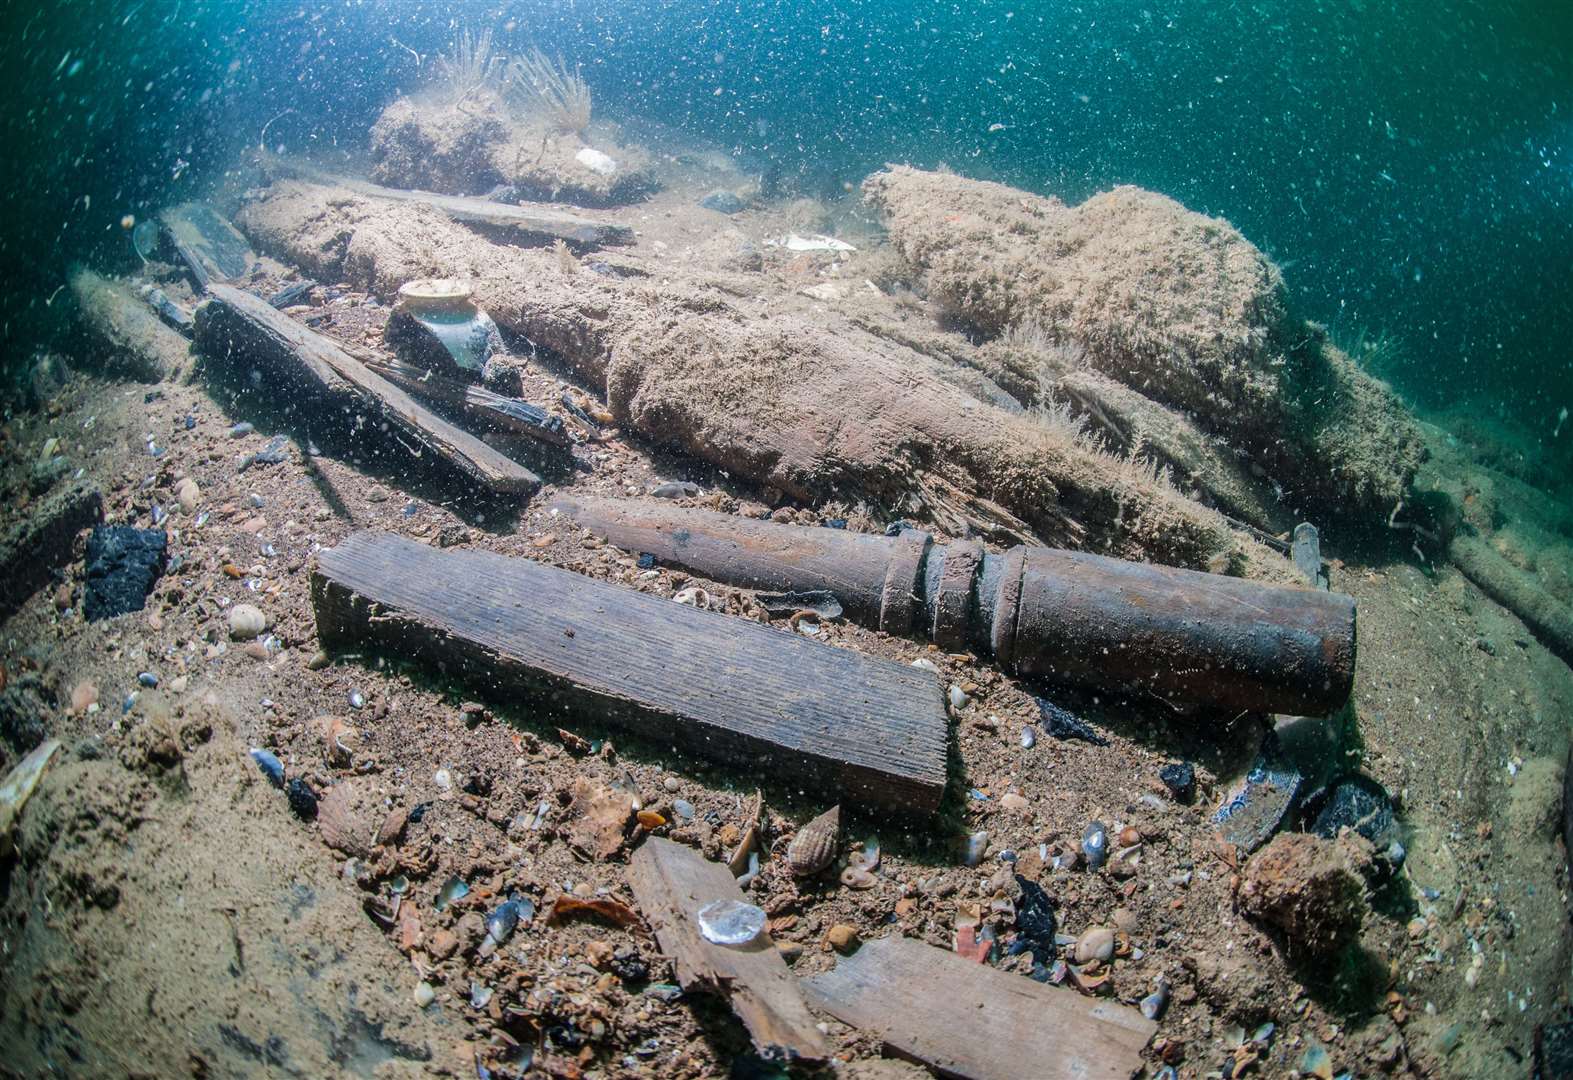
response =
{"points": [[1064, 616]]}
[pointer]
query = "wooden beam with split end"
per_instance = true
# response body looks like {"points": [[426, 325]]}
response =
{"points": [[43, 539], [671, 883], [836, 723], [976, 1022], [537, 220], [123, 331], [234, 323]]}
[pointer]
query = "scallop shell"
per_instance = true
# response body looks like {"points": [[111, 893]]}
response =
{"points": [[814, 846]]}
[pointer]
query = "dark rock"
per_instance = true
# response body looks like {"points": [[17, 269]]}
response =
{"points": [[302, 800], [1180, 779], [122, 564], [722, 201], [1064, 724], [1352, 802]]}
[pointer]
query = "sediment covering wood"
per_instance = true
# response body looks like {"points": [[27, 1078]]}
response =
{"points": [[712, 685], [302, 361], [973, 1021], [538, 220], [814, 410], [124, 329], [671, 883], [42, 540]]}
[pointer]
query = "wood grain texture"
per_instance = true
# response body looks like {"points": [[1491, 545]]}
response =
{"points": [[671, 883], [841, 724], [43, 540], [970, 1020], [537, 220], [211, 247], [233, 321]]}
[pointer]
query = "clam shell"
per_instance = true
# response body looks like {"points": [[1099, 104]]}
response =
{"points": [[814, 846]]}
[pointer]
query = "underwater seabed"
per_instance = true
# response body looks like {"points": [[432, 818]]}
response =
{"points": [[307, 814]]}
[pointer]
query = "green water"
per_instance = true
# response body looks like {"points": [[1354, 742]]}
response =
{"points": [[1410, 165]]}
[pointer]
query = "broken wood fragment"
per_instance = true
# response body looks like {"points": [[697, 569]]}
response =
{"points": [[973, 1021], [212, 249], [125, 332], [42, 540], [495, 410], [301, 361], [671, 883], [536, 220], [720, 687]]}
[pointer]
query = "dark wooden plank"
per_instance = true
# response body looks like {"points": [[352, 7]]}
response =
{"points": [[537, 220], [232, 320], [671, 883], [492, 409], [970, 1020], [43, 540], [842, 724], [210, 246]]}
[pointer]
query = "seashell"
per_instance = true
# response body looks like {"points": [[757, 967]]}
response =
{"points": [[693, 596], [738, 862], [814, 846], [339, 741], [1095, 943], [345, 818], [650, 819], [246, 621], [1095, 844], [1154, 1003], [1130, 836], [855, 877], [1089, 982]]}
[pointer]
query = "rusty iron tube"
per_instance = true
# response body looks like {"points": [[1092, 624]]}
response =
{"points": [[1062, 616]]}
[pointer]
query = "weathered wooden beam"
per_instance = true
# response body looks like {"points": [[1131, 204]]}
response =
{"points": [[234, 322], [671, 883], [840, 724], [125, 332], [973, 1021], [537, 220], [42, 540], [212, 248], [493, 409]]}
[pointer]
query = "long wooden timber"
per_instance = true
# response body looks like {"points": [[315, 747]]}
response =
{"points": [[234, 322], [212, 249], [970, 1020], [538, 220], [833, 722], [41, 540]]}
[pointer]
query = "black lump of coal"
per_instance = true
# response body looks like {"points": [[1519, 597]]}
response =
{"points": [[1180, 779], [1064, 724], [122, 564]]}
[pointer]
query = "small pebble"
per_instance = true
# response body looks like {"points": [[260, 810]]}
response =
{"points": [[843, 938], [958, 698], [672, 784], [319, 660], [241, 430], [357, 699], [246, 621], [424, 994], [1029, 738], [1095, 943], [683, 809], [148, 679], [926, 664], [270, 765]]}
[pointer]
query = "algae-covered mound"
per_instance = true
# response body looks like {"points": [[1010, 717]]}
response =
{"points": [[427, 144], [1175, 305]]}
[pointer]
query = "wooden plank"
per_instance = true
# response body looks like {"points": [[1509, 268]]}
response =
{"points": [[43, 540], [538, 220], [209, 245], [232, 320], [839, 724], [970, 1020], [671, 883], [493, 409]]}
